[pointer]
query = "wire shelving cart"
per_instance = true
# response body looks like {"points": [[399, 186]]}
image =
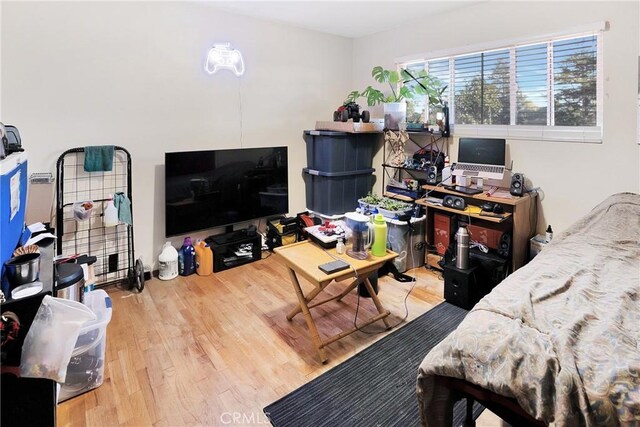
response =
{"points": [[86, 234]]}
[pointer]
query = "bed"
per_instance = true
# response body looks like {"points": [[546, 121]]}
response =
{"points": [[558, 341]]}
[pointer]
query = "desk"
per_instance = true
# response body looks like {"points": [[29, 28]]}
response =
{"points": [[518, 212], [303, 259]]}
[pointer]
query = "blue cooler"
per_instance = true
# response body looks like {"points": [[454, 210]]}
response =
{"points": [[13, 202]]}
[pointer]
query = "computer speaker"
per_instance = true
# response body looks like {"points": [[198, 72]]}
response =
{"points": [[433, 177], [504, 247], [517, 184], [454, 202]]}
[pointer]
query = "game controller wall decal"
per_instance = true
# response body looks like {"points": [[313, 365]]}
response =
{"points": [[222, 57]]}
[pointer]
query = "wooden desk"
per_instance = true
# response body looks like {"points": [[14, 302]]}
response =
{"points": [[518, 210], [303, 259]]}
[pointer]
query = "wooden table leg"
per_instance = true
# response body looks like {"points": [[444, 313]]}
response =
{"points": [[314, 293], [376, 301], [348, 289], [315, 336]]}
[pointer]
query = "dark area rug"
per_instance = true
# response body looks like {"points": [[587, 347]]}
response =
{"points": [[376, 387]]}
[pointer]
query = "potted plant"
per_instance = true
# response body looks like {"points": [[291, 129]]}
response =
{"points": [[369, 203], [391, 208], [395, 107]]}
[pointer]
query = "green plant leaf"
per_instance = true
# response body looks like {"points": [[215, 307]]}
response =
{"points": [[378, 73], [394, 77], [405, 92], [352, 97]]}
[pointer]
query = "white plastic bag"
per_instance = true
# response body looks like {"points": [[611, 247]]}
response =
{"points": [[50, 341]]}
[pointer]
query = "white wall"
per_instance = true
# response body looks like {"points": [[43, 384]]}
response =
{"points": [[574, 177], [132, 74]]}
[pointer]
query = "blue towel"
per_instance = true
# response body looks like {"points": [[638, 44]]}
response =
{"points": [[98, 158], [123, 204]]}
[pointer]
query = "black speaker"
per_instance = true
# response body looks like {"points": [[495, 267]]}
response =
{"points": [[460, 286], [517, 184], [454, 202], [433, 176], [492, 269], [504, 247]]}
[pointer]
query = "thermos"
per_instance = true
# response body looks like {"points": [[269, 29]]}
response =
{"points": [[168, 262], [379, 247], [187, 258], [204, 259], [462, 248]]}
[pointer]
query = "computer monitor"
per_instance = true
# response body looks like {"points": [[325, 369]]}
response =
{"points": [[481, 158]]}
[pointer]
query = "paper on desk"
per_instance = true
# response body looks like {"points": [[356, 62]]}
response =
{"points": [[39, 237], [502, 193]]}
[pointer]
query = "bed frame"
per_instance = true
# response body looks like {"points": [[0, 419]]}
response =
{"points": [[506, 408]]}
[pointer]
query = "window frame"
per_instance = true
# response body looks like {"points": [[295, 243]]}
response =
{"points": [[582, 134]]}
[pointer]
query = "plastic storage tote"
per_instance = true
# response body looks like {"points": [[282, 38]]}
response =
{"points": [[408, 241], [86, 367], [331, 193], [13, 202], [329, 151]]}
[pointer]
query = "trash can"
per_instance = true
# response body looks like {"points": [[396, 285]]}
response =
{"points": [[86, 367], [408, 241], [70, 282]]}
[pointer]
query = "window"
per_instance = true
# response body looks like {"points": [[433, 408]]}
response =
{"points": [[549, 89], [482, 88]]}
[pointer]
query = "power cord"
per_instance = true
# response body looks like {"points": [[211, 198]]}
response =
{"points": [[406, 307]]}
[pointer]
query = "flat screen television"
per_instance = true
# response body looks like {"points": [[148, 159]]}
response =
{"points": [[207, 189]]}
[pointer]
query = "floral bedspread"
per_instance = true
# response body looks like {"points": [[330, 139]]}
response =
{"points": [[560, 335]]}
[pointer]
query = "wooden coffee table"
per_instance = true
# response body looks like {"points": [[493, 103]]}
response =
{"points": [[303, 259]]}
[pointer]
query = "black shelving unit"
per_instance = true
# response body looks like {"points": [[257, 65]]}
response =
{"points": [[433, 142], [227, 249]]}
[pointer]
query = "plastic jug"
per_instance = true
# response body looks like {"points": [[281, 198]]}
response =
{"points": [[204, 259], [168, 262], [187, 258], [110, 217], [379, 246], [361, 234]]}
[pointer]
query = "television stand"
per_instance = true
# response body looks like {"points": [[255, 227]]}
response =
{"points": [[234, 249]]}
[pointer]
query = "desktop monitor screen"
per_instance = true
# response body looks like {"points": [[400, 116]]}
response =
{"points": [[483, 151]]}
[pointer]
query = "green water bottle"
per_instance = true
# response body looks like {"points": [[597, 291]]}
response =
{"points": [[379, 247]]}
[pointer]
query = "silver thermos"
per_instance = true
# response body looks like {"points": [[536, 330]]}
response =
{"points": [[462, 248]]}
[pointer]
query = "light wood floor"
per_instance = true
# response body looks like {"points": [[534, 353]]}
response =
{"points": [[203, 350]]}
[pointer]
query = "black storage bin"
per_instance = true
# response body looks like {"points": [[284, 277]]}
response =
{"points": [[331, 193], [329, 151], [279, 234]]}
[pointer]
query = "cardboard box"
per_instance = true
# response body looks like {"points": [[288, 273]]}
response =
{"points": [[373, 126]]}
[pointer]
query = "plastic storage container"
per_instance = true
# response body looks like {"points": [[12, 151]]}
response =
{"points": [[204, 259], [408, 241], [13, 199], [329, 151], [331, 193], [168, 262], [86, 367]]}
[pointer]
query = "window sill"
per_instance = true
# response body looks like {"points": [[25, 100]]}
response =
{"points": [[591, 135]]}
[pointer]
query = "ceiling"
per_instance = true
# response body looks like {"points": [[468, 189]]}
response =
{"points": [[352, 18]]}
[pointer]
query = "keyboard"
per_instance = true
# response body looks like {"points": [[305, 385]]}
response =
{"points": [[479, 168], [465, 190]]}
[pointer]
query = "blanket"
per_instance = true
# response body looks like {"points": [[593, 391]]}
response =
{"points": [[560, 335]]}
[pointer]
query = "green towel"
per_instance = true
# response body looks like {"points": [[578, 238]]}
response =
{"points": [[123, 204], [98, 158]]}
